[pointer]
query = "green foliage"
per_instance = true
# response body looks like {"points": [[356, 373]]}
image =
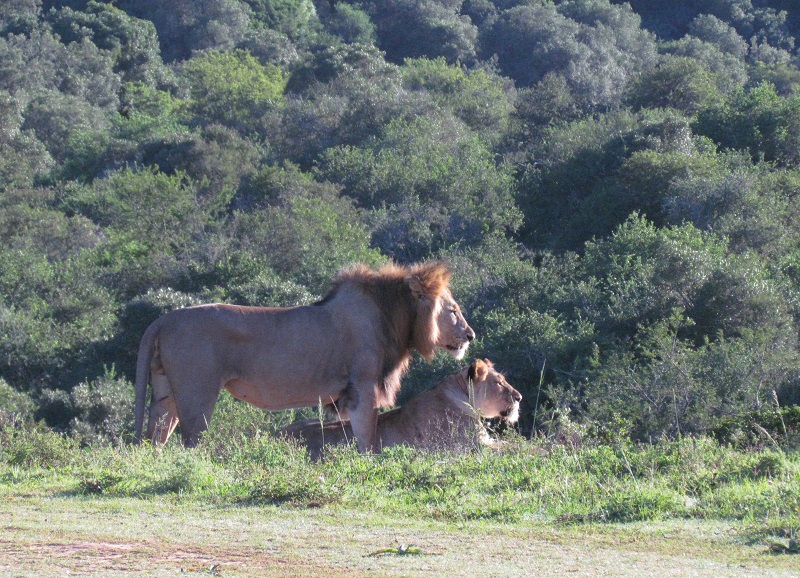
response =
{"points": [[587, 176], [23, 158], [132, 42], [514, 138], [232, 87], [351, 24], [36, 448], [769, 426], [572, 39], [342, 95], [103, 411], [188, 26], [52, 313], [434, 178], [678, 82], [414, 29], [294, 18], [758, 121], [307, 233], [476, 97], [15, 406], [150, 220], [217, 158]]}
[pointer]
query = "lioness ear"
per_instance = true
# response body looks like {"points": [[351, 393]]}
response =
{"points": [[478, 371], [481, 370], [415, 285]]}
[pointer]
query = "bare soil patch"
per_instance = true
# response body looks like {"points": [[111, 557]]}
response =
{"points": [[83, 537]]}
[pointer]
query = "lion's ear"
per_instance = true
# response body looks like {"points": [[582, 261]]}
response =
{"points": [[415, 285], [478, 371]]}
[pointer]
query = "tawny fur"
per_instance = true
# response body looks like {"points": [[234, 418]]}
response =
{"points": [[349, 349], [446, 416]]}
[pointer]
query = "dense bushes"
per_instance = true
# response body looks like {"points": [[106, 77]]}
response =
{"points": [[615, 186]]}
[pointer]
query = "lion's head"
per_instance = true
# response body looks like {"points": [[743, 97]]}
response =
{"points": [[439, 321], [493, 395]]}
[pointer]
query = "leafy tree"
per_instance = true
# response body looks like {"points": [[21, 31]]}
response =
{"points": [[673, 303], [672, 19], [187, 26], [151, 221], [711, 29], [423, 28], [343, 96], [294, 18], [432, 179], [23, 158], [573, 174], [351, 24], [149, 121], [531, 41], [477, 97], [753, 207], [15, 407], [758, 121], [78, 69], [232, 87], [132, 42], [57, 118], [677, 82], [53, 313], [217, 158], [574, 40], [728, 71], [307, 232], [548, 103]]}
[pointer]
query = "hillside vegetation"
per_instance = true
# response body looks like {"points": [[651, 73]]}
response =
{"points": [[616, 186]]}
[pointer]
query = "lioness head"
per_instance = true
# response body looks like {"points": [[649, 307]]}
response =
{"points": [[494, 396], [440, 323]]}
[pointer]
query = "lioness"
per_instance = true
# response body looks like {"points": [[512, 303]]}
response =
{"points": [[445, 416], [351, 348]]}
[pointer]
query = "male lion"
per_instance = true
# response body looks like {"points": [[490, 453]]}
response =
{"points": [[445, 416], [349, 349]]}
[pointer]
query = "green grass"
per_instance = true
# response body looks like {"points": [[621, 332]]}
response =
{"points": [[691, 478], [693, 501]]}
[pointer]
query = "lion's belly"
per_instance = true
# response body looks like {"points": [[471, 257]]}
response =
{"points": [[276, 396]]}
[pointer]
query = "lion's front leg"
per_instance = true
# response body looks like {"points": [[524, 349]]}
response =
{"points": [[363, 411]]}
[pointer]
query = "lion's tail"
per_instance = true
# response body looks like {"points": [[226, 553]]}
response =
{"points": [[146, 348]]}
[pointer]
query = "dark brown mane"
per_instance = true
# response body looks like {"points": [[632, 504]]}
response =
{"points": [[408, 321]]}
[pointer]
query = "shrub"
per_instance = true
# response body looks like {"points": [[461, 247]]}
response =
{"points": [[16, 408], [36, 447], [103, 410], [230, 87]]}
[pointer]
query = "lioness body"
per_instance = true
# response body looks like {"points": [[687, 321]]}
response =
{"points": [[350, 349], [444, 416]]}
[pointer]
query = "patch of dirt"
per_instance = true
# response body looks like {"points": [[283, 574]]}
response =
{"points": [[61, 537], [142, 558]]}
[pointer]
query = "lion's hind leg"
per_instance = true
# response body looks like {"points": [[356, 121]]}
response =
{"points": [[163, 411]]}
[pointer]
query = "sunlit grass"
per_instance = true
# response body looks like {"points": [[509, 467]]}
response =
{"points": [[526, 480]]}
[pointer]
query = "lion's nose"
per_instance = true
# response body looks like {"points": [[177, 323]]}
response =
{"points": [[516, 395], [470, 333]]}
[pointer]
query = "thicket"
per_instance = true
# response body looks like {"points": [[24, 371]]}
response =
{"points": [[617, 187]]}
